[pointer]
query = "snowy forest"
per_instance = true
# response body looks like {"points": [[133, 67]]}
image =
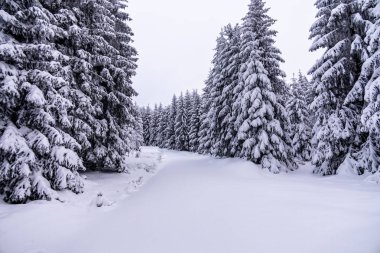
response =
{"points": [[66, 95], [253, 159], [247, 110], [67, 98]]}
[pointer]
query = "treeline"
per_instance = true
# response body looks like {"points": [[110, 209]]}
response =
{"points": [[185, 124], [65, 94], [246, 109], [176, 126]]}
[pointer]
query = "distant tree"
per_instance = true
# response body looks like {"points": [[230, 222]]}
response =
{"points": [[204, 139], [146, 118], [194, 121], [154, 124], [181, 126], [162, 126], [299, 118], [170, 130], [135, 130]]}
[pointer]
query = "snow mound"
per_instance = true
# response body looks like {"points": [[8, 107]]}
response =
{"points": [[141, 166], [375, 178]]}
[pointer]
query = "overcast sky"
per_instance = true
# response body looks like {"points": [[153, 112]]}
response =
{"points": [[175, 40]]}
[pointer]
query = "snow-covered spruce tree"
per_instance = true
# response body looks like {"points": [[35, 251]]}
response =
{"points": [[194, 121], [146, 119], [310, 93], [215, 91], [259, 114], [154, 124], [205, 130], [36, 151], [170, 130], [368, 157], [204, 138], [187, 118], [181, 125], [299, 118], [339, 30], [222, 95], [135, 130], [103, 63], [162, 126]]}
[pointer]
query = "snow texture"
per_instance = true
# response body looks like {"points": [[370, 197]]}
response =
{"points": [[201, 204]]}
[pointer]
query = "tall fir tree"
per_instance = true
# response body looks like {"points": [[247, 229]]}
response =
{"points": [[194, 122], [36, 151], [215, 92], [339, 30], [105, 63], [204, 139], [181, 125], [259, 113], [205, 130], [367, 159], [224, 85], [66, 95]]}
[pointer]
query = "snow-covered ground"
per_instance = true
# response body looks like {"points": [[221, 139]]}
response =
{"points": [[199, 204]]}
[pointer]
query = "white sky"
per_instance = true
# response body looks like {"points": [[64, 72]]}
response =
{"points": [[175, 40]]}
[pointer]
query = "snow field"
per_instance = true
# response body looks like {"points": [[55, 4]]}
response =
{"points": [[39, 225], [202, 204]]}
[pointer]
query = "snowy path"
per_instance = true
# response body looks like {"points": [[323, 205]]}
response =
{"points": [[198, 204]]}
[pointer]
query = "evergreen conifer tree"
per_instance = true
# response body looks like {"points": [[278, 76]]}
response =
{"points": [[135, 130], [146, 118], [368, 157], [204, 139], [339, 30], [181, 127], [206, 126], [299, 118], [154, 124], [105, 63], [259, 114], [223, 86], [170, 130], [36, 151], [162, 126], [194, 122]]}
